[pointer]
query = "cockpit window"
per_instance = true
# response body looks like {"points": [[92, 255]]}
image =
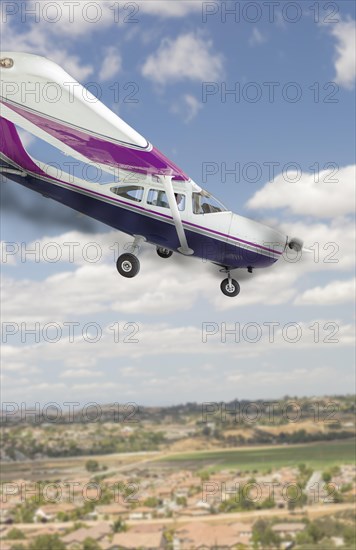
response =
{"points": [[131, 192], [204, 203], [156, 197]]}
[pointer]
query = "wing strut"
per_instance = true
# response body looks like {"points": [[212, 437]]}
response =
{"points": [[184, 248]]}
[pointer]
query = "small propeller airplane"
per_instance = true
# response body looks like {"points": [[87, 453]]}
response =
{"points": [[153, 200]]}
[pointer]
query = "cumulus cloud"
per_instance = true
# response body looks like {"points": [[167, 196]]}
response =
{"points": [[328, 193], [80, 373], [111, 66], [190, 56], [193, 106], [336, 292], [187, 108], [345, 58], [37, 38], [170, 8]]}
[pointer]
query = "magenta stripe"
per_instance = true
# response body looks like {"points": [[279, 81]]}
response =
{"points": [[100, 149]]}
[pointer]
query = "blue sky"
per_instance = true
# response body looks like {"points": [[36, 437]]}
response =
{"points": [[167, 56]]}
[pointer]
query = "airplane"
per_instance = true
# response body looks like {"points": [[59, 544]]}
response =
{"points": [[152, 199]]}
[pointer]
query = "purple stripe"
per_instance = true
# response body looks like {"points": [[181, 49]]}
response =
{"points": [[101, 151], [11, 146]]}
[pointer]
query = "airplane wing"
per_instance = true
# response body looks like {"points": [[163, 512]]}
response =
{"points": [[39, 96]]}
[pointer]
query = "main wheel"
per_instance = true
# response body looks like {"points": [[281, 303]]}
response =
{"points": [[230, 288], [128, 265], [164, 252]]}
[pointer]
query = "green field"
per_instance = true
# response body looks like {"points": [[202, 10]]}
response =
{"points": [[317, 455]]}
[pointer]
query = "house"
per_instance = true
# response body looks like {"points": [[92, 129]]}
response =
{"points": [[202, 535], [97, 532], [193, 511], [243, 529], [7, 512], [49, 512], [111, 512], [141, 512], [291, 529], [132, 541]]}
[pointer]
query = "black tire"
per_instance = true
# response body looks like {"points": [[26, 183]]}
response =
{"points": [[164, 252], [230, 290], [128, 265]]}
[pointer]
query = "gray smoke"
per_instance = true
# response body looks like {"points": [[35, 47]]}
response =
{"points": [[42, 212]]}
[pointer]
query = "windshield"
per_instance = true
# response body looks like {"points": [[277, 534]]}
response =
{"points": [[205, 203]]}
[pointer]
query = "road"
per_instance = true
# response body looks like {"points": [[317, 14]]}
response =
{"points": [[247, 517]]}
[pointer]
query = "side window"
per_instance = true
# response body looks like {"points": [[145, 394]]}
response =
{"points": [[180, 201], [131, 192], [204, 203], [157, 197]]}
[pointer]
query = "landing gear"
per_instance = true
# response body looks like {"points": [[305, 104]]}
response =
{"points": [[229, 286], [164, 252], [128, 265]]}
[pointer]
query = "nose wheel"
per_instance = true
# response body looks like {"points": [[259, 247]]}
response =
{"points": [[229, 287]]}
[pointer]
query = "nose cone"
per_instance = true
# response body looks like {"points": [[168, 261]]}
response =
{"points": [[259, 244]]}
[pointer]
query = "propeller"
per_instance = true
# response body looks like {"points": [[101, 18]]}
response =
{"points": [[297, 245]]}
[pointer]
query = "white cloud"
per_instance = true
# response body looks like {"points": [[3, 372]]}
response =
{"points": [[86, 288], [170, 8], [80, 373], [257, 37], [336, 292], [111, 66], [193, 106], [37, 38], [311, 194], [293, 381], [188, 108], [345, 60], [189, 57], [73, 20], [162, 340]]}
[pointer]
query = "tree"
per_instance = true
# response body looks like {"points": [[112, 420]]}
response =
{"points": [[119, 526], [181, 501], [15, 534], [92, 465], [151, 502], [91, 544], [326, 477], [47, 542], [263, 535]]}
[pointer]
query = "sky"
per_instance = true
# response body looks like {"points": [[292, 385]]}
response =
{"points": [[256, 102]]}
